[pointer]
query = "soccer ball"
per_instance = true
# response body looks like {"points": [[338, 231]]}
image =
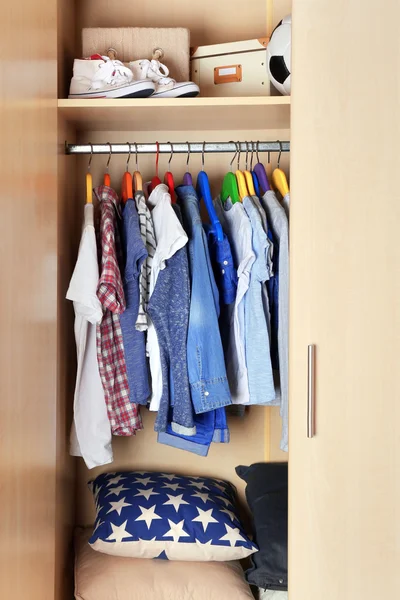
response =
{"points": [[278, 56]]}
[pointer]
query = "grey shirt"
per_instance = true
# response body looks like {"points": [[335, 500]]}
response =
{"points": [[279, 224]]}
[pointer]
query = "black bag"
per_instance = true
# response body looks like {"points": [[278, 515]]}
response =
{"points": [[267, 497]]}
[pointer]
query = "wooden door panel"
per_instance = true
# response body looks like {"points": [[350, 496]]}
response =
{"points": [[345, 297]]}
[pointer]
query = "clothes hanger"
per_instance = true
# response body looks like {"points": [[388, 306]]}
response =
{"points": [[127, 183], [169, 178], [261, 173], [229, 183], [107, 179], [247, 175], [156, 180], [187, 178], [137, 178], [240, 178], [279, 180], [204, 191], [254, 176], [89, 180]]}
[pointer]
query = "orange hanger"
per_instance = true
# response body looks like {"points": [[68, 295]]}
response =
{"points": [[89, 179], [137, 178], [169, 178], [107, 178], [127, 183], [156, 180]]}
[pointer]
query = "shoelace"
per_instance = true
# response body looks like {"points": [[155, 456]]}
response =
{"points": [[112, 72], [155, 69]]}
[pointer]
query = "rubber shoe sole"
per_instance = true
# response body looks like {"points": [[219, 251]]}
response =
{"points": [[184, 90], [137, 89]]}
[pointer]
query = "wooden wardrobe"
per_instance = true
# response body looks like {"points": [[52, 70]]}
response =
{"points": [[343, 123]]}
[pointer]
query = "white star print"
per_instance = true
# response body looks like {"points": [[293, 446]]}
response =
{"points": [[225, 501], [118, 506], [144, 480], [175, 501], [115, 480], [202, 496], [119, 533], [173, 486], [230, 514], [148, 515], [147, 493], [176, 531], [232, 536], [220, 487], [205, 518], [169, 476], [117, 490], [199, 485]]}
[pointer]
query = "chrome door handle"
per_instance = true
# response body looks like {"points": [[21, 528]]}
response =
{"points": [[311, 392]]}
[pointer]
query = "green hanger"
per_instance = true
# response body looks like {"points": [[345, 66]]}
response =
{"points": [[229, 185]]}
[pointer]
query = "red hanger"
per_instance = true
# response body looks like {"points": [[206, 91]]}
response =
{"points": [[169, 178], [127, 183], [156, 180], [107, 178]]}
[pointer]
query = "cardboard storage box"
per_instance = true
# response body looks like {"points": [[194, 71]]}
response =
{"points": [[134, 43], [233, 69]]}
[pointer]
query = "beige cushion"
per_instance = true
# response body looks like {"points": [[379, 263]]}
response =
{"points": [[99, 576], [134, 43]]}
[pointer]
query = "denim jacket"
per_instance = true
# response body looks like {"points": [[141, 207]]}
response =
{"points": [[206, 364]]}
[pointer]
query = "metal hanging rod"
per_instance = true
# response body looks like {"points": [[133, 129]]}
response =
{"points": [[177, 147]]}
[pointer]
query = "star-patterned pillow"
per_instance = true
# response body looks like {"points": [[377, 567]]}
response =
{"points": [[159, 515]]}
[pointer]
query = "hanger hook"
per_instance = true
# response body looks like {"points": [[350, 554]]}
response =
{"points": [[252, 156], [280, 154], [109, 157], [238, 156], [234, 156], [188, 155], [247, 156], [91, 156], [202, 156], [136, 157], [257, 148], [171, 155], [157, 157], [129, 156]]}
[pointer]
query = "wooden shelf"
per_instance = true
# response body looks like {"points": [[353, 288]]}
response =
{"points": [[178, 114]]}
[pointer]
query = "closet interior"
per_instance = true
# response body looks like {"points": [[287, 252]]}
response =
{"points": [[266, 118]]}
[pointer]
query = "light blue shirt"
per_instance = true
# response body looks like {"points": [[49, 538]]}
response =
{"points": [[257, 341]]}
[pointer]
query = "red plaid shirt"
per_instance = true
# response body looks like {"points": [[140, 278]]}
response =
{"points": [[123, 415]]}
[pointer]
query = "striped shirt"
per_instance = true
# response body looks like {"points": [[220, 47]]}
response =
{"points": [[149, 240]]}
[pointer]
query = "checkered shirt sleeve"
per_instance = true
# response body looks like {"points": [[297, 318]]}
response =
{"points": [[123, 415]]}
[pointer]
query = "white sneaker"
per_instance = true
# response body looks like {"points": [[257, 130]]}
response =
{"points": [[104, 77], [166, 87]]}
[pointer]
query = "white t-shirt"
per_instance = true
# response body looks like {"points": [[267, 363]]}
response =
{"points": [[170, 237], [91, 431]]}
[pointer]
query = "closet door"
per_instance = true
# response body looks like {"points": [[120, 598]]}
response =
{"points": [[28, 300], [344, 523]]}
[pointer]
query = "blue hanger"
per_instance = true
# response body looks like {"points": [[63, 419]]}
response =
{"points": [[256, 184], [204, 191]]}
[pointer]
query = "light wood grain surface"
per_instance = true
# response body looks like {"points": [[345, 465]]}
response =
{"points": [[344, 491]]}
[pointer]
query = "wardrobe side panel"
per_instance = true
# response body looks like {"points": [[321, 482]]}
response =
{"points": [[28, 299], [344, 525]]}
